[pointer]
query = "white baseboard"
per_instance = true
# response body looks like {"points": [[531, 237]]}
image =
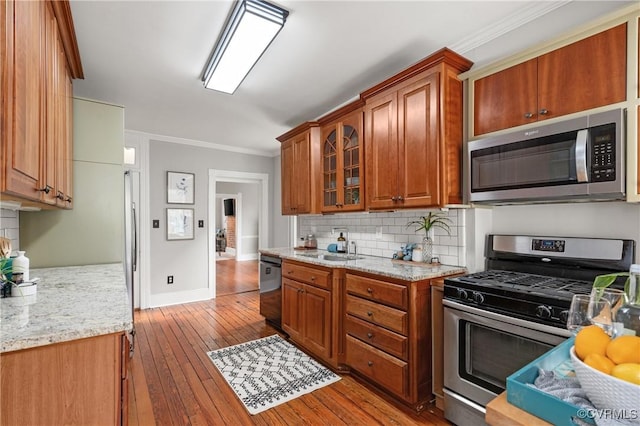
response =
{"points": [[176, 298]]}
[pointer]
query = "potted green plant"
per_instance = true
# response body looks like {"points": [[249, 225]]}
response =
{"points": [[6, 269], [427, 224]]}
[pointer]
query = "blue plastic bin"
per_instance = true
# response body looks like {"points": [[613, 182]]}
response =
{"points": [[541, 404]]}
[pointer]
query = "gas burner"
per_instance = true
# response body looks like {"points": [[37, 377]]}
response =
{"points": [[520, 282]]}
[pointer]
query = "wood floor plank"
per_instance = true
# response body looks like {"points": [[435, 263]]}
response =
{"points": [[175, 382]]}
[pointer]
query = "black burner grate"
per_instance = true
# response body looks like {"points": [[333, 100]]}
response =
{"points": [[519, 282]]}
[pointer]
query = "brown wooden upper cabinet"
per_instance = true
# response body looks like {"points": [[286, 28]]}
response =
{"points": [[300, 152], [342, 160], [413, 135], [40, 58], [583, 75]]}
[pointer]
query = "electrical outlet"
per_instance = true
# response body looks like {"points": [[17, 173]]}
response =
{"points": [[378, 232], [156, 223], [201, 224], [169, 279]]}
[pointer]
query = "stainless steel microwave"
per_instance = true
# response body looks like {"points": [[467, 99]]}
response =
{"points": [[579, 159]]}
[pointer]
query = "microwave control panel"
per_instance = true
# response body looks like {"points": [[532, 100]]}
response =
{"points": [[603, 153]]}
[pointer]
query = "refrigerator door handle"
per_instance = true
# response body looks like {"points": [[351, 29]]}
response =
{"points": [[135, 237]]}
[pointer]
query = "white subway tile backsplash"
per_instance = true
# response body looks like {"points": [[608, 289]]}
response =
{"points": [[10, 227], [395, 233]]}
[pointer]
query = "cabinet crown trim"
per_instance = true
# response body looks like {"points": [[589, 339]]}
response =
{"points": [[62, 10], [442, 56], [297, 130], [340, 112]]}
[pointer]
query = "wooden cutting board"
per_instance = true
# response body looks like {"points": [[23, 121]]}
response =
{"points": [[5, 247]]}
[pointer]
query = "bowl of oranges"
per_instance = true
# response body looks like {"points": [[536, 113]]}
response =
{"points": [[608, 368]]}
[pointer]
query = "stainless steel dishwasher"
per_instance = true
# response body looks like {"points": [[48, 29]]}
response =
{"points": [[271, 289]]}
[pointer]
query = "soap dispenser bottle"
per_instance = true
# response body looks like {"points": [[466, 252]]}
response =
{"points": [[342, 244]]}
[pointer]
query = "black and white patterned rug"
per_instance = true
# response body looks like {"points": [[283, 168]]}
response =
{"points": [[269, 371]]}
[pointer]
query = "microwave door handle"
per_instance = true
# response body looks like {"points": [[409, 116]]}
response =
{"points": [[582, 173]]}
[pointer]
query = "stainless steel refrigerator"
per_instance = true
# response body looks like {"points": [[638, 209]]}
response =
{"points": [[130, 246]]}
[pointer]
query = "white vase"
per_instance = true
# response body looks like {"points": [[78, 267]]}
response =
{"points": [[416, 255], [21, 266]]}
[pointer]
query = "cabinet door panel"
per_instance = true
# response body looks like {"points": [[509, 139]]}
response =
{"points": [[24, 148], [418, 147], [288, 179], [291, 321], [381, 145], [302, 174], [317, 320], [583, 75], [501, 100], [352, 162]]}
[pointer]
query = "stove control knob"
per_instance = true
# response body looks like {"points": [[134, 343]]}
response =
{"points": [[564, 316], [478, 297], [462, 294], [543, 312]]}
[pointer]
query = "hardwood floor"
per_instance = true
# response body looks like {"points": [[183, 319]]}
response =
{"points": [[236, 277], [173, 381]]}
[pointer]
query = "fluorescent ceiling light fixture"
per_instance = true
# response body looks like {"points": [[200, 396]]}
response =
{"points": [[250, 29]]}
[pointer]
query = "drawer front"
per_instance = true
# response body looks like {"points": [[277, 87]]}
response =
{"points": [[379, 337], [388, 371], [313, 276], [393, 319], [388, 293]]}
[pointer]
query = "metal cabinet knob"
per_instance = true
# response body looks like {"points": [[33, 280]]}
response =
{"points": [[370, 335], [370, 313], [313, 278], [400, 198], [60, 196], [370, 363], [369, 290], [46, 189], [543, 112], [528, 115]]}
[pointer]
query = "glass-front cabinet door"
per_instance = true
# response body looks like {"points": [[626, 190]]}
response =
{"points": [[342, 164]]}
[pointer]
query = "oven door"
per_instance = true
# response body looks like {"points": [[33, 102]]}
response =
{"points": [[484, 348]]}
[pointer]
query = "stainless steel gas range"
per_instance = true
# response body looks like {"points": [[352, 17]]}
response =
{"points": [[499, 320]]}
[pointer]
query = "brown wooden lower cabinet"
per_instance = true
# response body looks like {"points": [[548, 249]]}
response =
{"points": [[311, 309], [80, 382], [388, 334]]}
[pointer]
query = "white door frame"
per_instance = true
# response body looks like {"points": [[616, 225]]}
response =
{"points": [[263, 217]]}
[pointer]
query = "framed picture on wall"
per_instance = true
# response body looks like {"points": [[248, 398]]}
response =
{"points": [[180, 188], [179, 224]]}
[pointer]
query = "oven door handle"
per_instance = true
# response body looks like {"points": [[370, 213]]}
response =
{"points": [[517, 322], [582, 172]]}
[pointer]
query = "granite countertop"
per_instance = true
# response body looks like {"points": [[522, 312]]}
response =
{"points": [[371, 264], [71, 303]]}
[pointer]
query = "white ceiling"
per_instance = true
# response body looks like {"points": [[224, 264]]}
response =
{"points": [[149, 55]]}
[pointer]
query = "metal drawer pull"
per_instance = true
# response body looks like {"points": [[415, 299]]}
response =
{"points": [[369, 290], [370, 363], [370, 313], [313, 278], [370, 335]]}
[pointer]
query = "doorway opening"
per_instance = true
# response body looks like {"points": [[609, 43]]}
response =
{"points": [[248, 226]]}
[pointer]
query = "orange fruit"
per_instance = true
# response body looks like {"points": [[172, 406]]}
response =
{"points": [[599, 362], [591, 339], [629, 372], [624, 349]]}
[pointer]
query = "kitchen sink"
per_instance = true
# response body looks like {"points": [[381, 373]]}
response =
{"points": [[313, 255], [341, 258]]}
